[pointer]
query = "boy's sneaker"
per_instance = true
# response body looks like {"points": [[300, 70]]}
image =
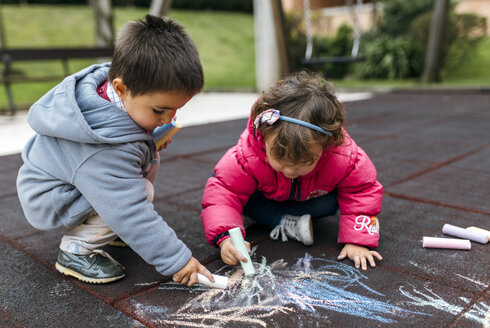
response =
{"points": [[96, 268], [118, 242], [295, 227]]}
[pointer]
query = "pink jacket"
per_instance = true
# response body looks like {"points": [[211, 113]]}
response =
{"points": [[244, 169]]}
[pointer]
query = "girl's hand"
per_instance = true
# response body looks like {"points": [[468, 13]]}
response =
{"points": [[360, 255], [229, 254], [188, 274]]}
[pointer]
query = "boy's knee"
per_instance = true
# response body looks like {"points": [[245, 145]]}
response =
{"points": [[150, 190]]}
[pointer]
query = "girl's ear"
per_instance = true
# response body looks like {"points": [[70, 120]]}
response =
{"points": [[120, 88]]}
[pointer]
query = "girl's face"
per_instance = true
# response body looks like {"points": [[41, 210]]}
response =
{"points": [[291, 170]]}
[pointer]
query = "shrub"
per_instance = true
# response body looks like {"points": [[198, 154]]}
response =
{"points": [[399, 14], [338, 45], [388, 57], [392, 43]]}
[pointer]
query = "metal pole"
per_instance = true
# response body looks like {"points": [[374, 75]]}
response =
{"points": [[309, 37]]}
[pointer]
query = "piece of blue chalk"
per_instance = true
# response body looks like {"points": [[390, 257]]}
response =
{"points": [[165, 132], [455, 231], [239, 243]]}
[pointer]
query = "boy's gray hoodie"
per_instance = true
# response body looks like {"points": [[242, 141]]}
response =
{"points": [[89, 155]]}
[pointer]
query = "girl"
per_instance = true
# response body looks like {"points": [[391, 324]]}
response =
{"points": [[294, 161]]}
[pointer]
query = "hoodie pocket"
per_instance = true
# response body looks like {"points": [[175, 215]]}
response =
{"points": [[70, 205]]}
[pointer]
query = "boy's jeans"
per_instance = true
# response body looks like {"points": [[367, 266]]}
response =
{"points": [[93, 233], [269, 212]]}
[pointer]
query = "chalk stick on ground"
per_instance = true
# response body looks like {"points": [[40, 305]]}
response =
{"points": [[455, 231], [450, 243], [219, 281], [480, 230], [239, 243]]}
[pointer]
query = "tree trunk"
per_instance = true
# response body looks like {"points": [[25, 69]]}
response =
{"points": [[160, 8], [104, 27], [433, 59]]}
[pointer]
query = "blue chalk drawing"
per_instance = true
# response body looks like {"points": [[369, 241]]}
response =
{"points": [[311, 287], [325, 287]]}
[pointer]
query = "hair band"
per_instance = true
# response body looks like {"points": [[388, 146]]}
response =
{"points": [[270, 116]]}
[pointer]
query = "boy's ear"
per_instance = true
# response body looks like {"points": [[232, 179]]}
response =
{"points": [[120, 87]]}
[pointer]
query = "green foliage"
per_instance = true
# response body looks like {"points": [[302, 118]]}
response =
{"points": [[392, 58], [401, 39], [462, 35], [474, 70], [399, 14], [338, 45], [465, 32], [296, 40], [389, 49]]}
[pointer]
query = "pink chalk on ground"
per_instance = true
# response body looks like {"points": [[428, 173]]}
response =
{"points": [[449, 243], [455, 231]]}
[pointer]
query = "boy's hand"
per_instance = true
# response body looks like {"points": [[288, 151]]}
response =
{"points": [[360, 255], [229, 254], [188, 274], [168, 142]]}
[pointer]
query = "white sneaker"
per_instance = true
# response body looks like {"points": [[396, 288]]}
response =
{"points": [[295, 227]]}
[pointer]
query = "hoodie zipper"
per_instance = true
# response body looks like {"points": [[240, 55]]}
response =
{"points": [[295, 192]]}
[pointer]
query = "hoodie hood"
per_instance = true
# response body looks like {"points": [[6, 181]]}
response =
{"points": [[74, 111]]}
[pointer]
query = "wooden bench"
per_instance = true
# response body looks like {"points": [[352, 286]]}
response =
{"points": [[9, 56]]}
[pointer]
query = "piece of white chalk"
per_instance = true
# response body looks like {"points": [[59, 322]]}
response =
{"points": [[480, 230], [219, 281], [239, 243], [455, 231], [450, 243]]}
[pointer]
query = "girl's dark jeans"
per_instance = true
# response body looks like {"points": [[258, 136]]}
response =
{"points": [[269, 212]]}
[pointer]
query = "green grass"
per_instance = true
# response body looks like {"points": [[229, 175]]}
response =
{"points": [[475, 71], [225, 42]]}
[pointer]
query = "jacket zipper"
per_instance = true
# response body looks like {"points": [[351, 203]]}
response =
{"points": [[295, 192]]}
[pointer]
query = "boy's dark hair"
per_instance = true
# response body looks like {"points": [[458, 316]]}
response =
{"points": [[307, 97], [156, 55]]}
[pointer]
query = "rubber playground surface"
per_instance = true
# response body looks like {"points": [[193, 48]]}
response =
{"points": [[432, 152]]}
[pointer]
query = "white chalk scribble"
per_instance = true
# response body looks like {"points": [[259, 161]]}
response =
{"points": [[479, 312], [312, 287]]}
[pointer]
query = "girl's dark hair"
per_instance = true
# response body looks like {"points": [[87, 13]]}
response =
{"points": [[307, 97], [156, 55]]}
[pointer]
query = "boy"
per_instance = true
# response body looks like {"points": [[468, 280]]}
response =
{"points": [[91, 165]]}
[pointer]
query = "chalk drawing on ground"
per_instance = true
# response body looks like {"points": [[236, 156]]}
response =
{"points": [[312, 287], [479, 312]]}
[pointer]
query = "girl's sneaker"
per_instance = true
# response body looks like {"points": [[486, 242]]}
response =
{"points": [[295, 227], [96, 268]]}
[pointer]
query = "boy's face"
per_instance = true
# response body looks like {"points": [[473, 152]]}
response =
{"points": [[151, 110]]}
